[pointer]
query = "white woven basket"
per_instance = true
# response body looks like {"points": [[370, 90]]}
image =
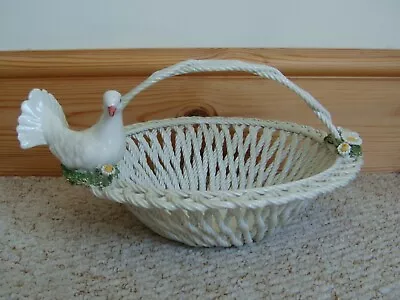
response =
{"points": [[225, 181]]}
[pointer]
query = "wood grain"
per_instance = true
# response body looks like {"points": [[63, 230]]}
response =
{"points": [[369, 104], [141, 62]]}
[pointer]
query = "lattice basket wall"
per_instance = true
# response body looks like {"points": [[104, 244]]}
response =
{"points": [[212, 181]]}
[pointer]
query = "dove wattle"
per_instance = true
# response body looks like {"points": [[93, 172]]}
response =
{"points": [[43, 122]]}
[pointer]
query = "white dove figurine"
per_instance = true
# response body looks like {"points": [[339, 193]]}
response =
{"points": [[43, 122]]}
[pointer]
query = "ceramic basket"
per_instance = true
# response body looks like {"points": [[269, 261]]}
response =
{"points": [[213, 181]]}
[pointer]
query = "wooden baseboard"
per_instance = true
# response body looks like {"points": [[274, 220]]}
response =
{"points": [[361, 89]]}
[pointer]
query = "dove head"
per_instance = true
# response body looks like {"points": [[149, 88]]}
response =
{"points": [[112, 102]]}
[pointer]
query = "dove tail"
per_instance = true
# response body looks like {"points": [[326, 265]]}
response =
{"points": [[39, 114]]}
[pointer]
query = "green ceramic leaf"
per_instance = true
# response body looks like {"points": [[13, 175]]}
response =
{"points": [[95, 178], [355, 151], [332, 140]]}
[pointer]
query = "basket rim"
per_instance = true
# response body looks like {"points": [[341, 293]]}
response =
{"points": [[282, 125], [339, 174]]}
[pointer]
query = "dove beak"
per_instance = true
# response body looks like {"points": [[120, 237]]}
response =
{"points": [[111, 110]]}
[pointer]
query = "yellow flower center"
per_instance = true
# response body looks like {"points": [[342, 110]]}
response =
{"points": [[345, 147], [108, 168]]}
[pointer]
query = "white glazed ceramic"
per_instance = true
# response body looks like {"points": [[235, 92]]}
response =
{"points": [[200, 181], [43, 122]]}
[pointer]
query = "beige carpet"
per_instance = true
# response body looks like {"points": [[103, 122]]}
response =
{"points": [[59, 242]]}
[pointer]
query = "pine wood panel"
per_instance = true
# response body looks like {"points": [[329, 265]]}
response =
{"points": [[140, 62], [370, 106]]}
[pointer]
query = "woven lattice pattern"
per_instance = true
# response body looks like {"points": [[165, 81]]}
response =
{"points": [[211, 157], [220, 156], [224, 182], [218, 227]]}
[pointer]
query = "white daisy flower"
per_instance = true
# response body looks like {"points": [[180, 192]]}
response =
{"points": [[351, 137], [344, 149], [108, 170]]}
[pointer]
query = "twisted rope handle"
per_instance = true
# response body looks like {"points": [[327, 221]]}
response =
{"points": [[264, 71]]}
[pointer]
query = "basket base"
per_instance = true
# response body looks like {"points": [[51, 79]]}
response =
{"points": [[216, 227]]}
